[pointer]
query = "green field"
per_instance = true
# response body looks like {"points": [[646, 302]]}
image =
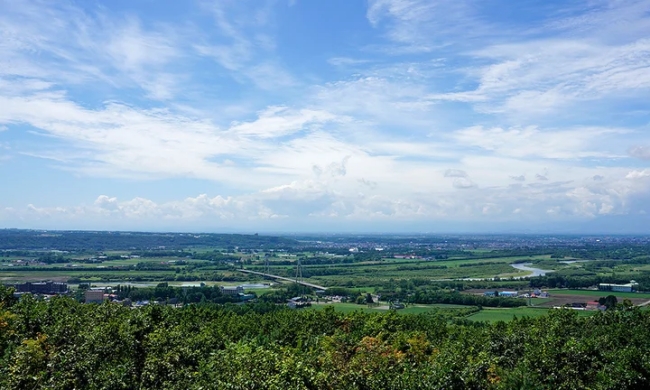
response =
{"points": [[598, 293], [506, 314], [414, 309], [365, 275]]}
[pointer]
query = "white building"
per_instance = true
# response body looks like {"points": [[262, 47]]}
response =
{"points": [[628, 287]]}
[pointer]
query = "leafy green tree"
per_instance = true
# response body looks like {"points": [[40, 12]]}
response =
{"points": [[611, 301]]}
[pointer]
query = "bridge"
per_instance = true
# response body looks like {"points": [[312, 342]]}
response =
{"points": [[283, 278]]}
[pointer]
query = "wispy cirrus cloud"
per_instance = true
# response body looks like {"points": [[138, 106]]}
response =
{"points": [[67, 45], [243, 44], [537, 143], [423, 26]]}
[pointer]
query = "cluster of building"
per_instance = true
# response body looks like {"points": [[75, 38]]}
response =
{"points": [[236, 291], [505, 294], [46, 288], [25, 263], [537, 293]]}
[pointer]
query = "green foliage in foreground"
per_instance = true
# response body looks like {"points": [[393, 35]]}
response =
{"points": [[507, 314], [62, 344]]}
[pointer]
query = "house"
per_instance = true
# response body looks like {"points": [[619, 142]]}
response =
{"points": [[298, 303], [94, 296], [628, 287], [490, 294], [508, 294]]}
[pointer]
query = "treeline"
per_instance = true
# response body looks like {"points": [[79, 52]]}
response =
{"points": [[456, 298], [161, 276], [166, 293], [555, 280], [284, 294], [160, 253], [62, 344], [100, 241], [214, 256], [52, 258]]}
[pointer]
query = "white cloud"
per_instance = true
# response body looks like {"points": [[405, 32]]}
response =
{"points": [[77, 47], [638, 174], [280, 121], [435, 122], [346, 61], [569, 59], [243, 46], [421, 25], [640, 152], [318, 200], [455, 173], [533, 142]]}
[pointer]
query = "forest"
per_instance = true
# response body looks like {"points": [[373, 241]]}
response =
{"points": [[63, 344]]}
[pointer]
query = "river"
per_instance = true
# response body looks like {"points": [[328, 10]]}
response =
{"points": [[535, 271]]}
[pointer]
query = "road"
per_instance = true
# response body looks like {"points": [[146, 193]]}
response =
{"points": [[283, 278]]}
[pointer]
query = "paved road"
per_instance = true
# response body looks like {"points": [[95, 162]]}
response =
{"points": [[283, 278]]}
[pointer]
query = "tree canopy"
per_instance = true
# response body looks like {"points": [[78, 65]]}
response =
{"points": [[62, 344]]}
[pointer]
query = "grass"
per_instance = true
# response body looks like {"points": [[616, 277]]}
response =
{"points": [[506, 314], [421, 309], [370, 290], [415, 309]]}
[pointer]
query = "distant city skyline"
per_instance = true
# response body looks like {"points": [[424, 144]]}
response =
{"points": [[295, 116]]}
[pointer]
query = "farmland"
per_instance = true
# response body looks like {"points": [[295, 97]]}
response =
{"points": [[241, 304], [421, 272]]}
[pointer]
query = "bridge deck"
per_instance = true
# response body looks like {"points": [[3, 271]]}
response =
{"points": [[283, 278]]}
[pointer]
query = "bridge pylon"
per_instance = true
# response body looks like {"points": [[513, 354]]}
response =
{"points": [[298, 270]]}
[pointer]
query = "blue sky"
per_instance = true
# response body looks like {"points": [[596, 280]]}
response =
{"points": [[338, 115]]}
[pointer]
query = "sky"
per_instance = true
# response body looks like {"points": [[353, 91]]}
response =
{"points": [[338, 115]]}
